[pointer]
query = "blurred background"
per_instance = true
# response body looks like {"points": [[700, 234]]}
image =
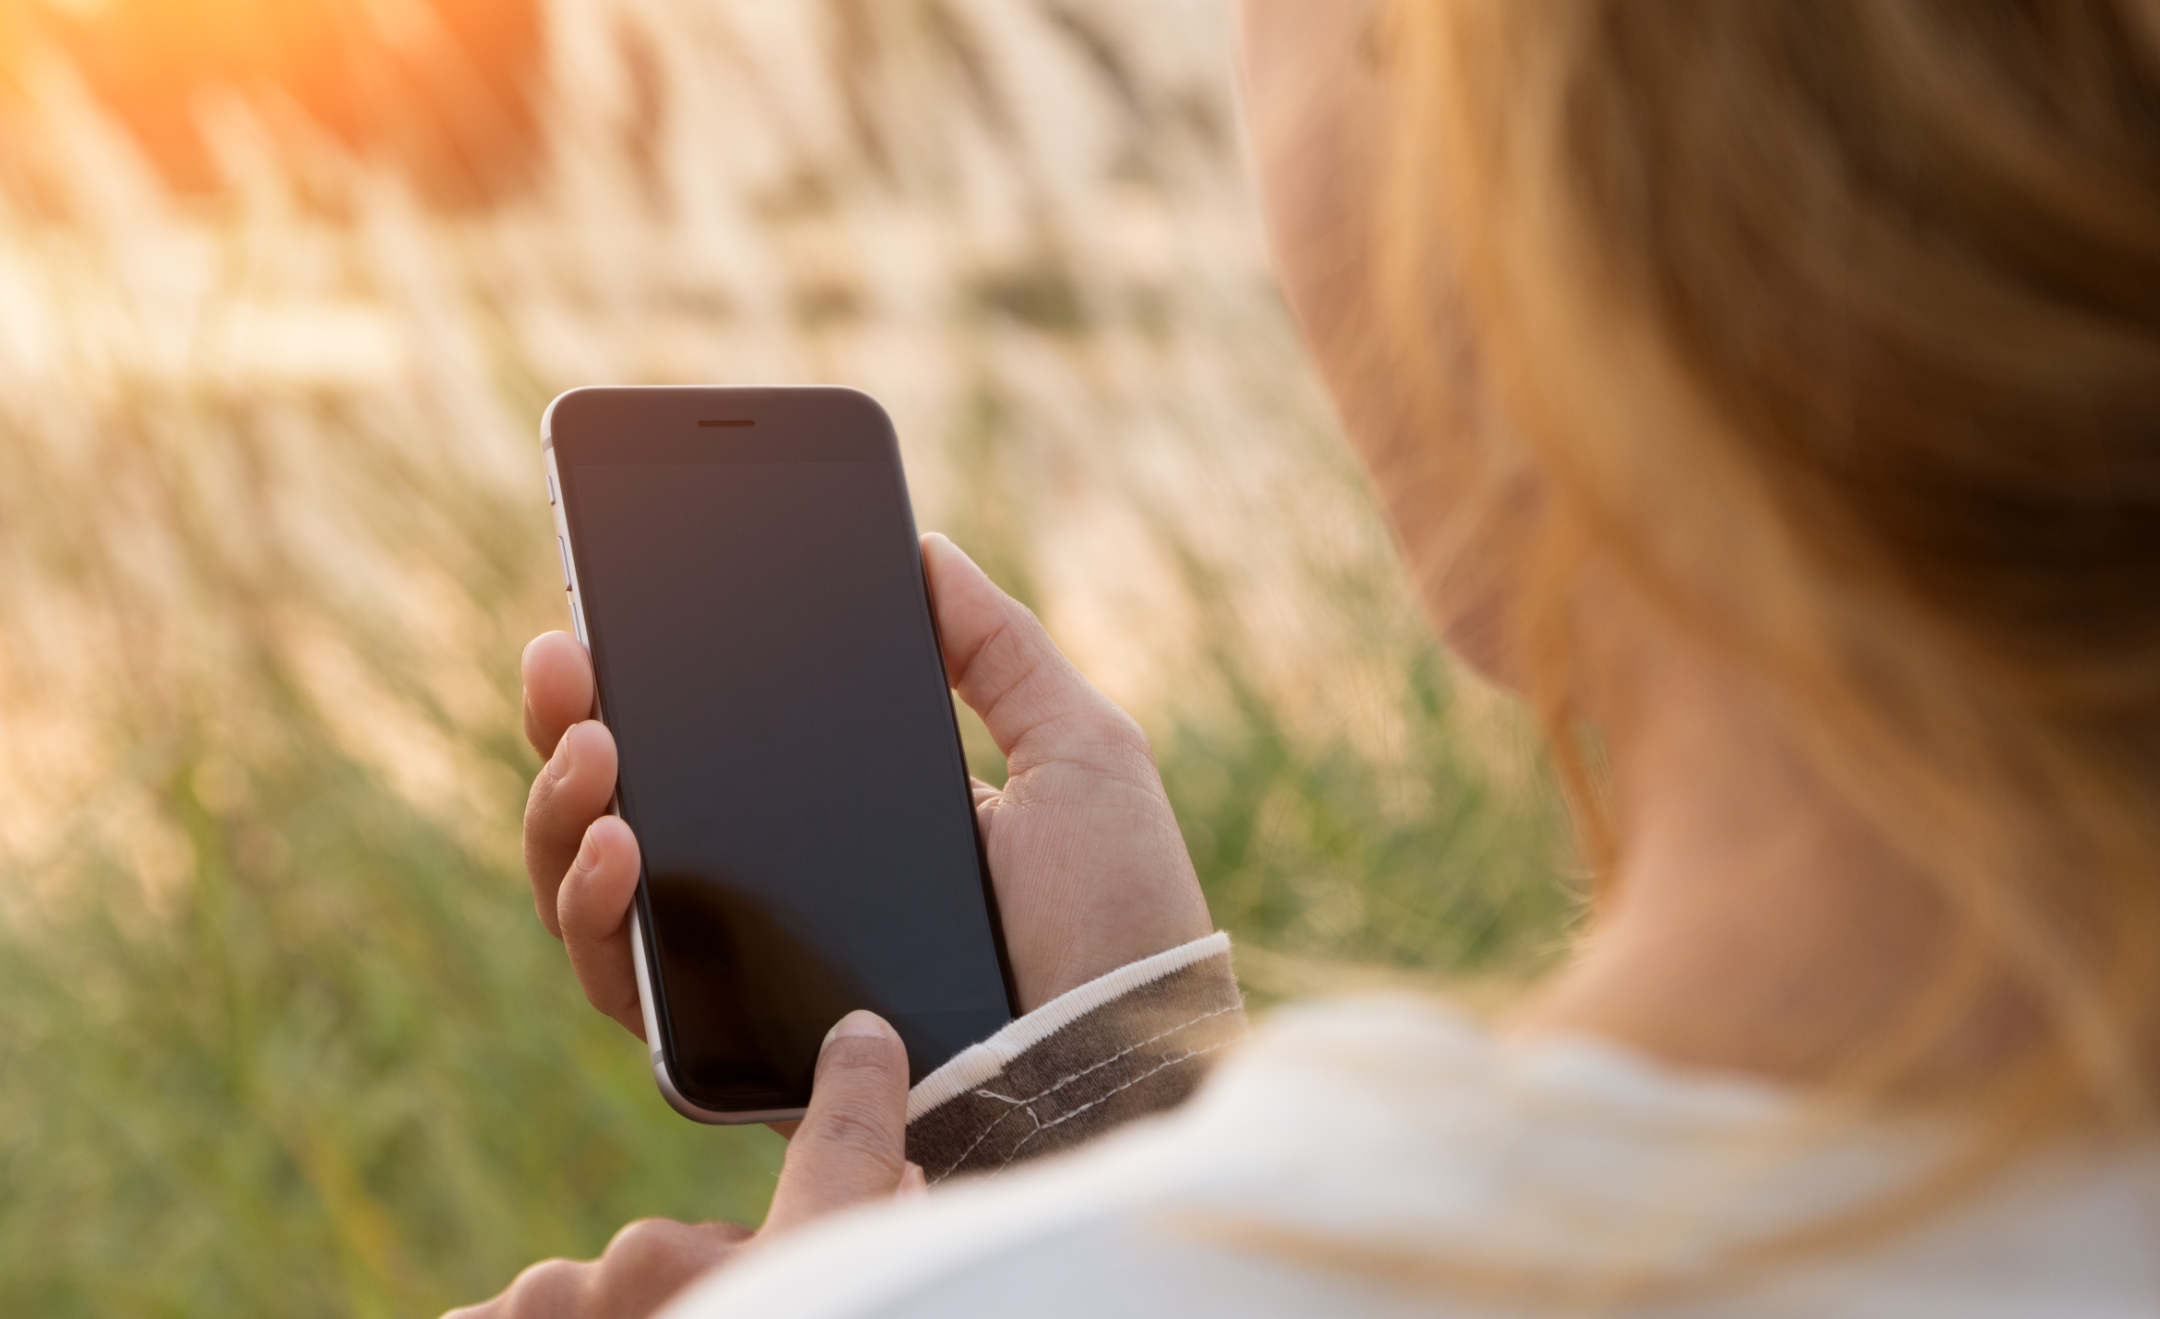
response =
{"points": [[284, 286]]}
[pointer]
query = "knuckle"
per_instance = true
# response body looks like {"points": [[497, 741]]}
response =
{"points": [[649, 1259], [1028, 632], [578, 909], [861, 1132], [1015, 650], [544, 815], [567, 923], [978, 664], [544, 1289], [1106, 736], [643, 1244], [537, 800], [1123, 732]]}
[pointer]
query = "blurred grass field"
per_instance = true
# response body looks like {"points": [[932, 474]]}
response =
{"points": [[281, 1032]]}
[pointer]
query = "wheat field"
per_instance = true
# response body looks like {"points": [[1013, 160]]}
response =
{"points": [[282, 1035]]}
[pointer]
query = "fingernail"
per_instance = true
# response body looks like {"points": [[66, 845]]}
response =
{"points": [[588, 854], [559, 763], [912, 1180], [856, 1023]]}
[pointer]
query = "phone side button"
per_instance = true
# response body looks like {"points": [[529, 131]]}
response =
{"points": [[551, 489], [564, 550]]}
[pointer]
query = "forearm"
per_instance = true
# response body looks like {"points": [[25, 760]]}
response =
{"points": [[1130, 1043]]}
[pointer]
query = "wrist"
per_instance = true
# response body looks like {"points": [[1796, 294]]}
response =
{"points": [[1132, 1041]]}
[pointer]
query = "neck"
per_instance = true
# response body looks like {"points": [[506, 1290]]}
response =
{"points": [[1755, 923]]}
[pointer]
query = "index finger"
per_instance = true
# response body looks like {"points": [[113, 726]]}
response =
{"points": [[558, 688]]}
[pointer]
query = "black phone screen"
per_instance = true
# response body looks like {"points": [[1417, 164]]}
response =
{"points": [[754, 601]]}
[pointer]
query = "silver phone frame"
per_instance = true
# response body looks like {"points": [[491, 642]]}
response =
{"points": [[638, 957]]}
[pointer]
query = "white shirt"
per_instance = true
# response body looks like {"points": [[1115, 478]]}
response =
{"points": [[1389, 1157]]}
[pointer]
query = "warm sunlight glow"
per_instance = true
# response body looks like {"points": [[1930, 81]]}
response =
{"points": [[441, 86]]}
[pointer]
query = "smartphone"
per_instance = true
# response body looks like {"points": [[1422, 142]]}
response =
{"points": [[743, 566]]}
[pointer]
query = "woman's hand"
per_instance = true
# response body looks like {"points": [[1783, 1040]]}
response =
{"points": [[1090, 870], [846, 1151]]}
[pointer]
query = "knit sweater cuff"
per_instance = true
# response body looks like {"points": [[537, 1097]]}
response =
{"points": [[1129, 1043]]}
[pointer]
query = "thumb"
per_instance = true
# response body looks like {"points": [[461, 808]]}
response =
{"points": [[851, 1145], [1006, 667]]}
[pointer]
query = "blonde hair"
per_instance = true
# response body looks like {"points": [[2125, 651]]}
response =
{"points": [[1834, 326]]}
